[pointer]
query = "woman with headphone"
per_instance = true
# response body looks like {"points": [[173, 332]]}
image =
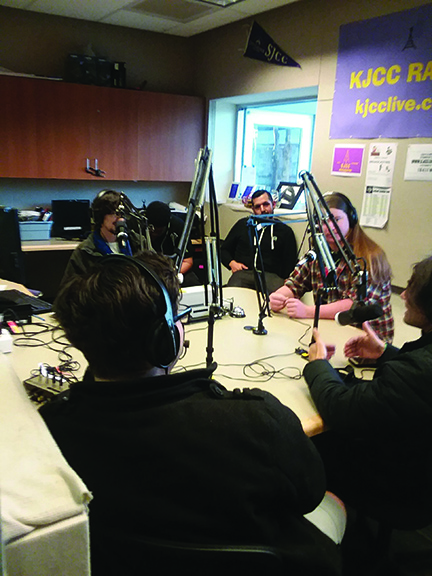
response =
{"points": [[306, 276]]}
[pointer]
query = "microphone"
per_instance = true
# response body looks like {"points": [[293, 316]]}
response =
{"points": [[310, 256], [359, 313], [122, 234]]}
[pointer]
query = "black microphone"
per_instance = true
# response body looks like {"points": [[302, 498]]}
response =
{"points": [[358, 314], [122, 234], [308, 257]]}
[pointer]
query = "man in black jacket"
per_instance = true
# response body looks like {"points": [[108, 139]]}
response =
{"points": [[176, 456], [378, 452], [277, 244]]}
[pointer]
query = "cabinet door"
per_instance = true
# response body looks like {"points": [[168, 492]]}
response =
{"points": [[171, 132], [51, 128], [44, 131], [114, 132], [64, 118]]}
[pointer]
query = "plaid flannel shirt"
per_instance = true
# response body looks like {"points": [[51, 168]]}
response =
{"points": [[307, 278]]}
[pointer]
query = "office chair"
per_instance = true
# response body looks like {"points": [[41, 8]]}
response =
{"points": [[153, 557], [382, 558]]}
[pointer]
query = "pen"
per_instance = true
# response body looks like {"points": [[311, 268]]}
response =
{"points": [[39, 318]]}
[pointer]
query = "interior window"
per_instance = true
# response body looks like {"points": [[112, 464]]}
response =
{"points": [[274, 143]]}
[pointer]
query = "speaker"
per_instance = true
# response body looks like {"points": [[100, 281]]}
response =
{"points": [[163, 343], [104, 72]]}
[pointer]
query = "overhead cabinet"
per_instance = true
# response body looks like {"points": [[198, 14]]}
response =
{"points": [[53, 129]]}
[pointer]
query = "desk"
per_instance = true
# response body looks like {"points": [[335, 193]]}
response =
{"points": [[45, 262], [235, 345], [24, 359], [48, 245]]}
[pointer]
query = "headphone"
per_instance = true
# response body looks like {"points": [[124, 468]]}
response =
{"points": [[163, 336], [351, 211]]}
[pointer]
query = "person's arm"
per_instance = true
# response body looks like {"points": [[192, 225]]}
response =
{"points": [[359, 408], [229, 245], [294, 454], [187, 265], [279, 298], [296, 309]]}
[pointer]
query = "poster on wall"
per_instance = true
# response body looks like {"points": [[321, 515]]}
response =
{"points": [[419, 162], [384, 76], [347, 160], [379, 179]]}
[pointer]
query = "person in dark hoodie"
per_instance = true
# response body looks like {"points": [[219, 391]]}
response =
{"points": [[378, 449], [277, 243], [175, 455]]}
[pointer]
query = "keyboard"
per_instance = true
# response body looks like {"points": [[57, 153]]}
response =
{"points": [[11, 299]]}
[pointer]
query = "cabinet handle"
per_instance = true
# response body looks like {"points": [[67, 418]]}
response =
{"points": [[94, 171], [98, 171]]}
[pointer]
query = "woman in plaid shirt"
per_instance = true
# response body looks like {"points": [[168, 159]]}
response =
{"points": [[306, 277]]}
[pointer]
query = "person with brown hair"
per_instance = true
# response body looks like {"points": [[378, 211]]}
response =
{"points": [[103, 238], [174, 455], [378, 449], [306, 277]]}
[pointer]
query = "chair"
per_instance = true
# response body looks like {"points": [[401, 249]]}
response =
{"points": [[154, 557], [378, 532]]}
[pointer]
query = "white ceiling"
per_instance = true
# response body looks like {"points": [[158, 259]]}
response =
{"points": [[177, 17]]}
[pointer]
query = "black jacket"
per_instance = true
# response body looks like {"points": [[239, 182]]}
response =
{"points": [[278, 247], [86, 255], [178, 457], [382, 432]]}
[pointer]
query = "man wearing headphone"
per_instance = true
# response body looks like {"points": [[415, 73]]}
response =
{"points": [[103, 239], [170, 455], [165, 230]]}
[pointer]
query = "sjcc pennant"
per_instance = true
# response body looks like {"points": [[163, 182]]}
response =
{"points": [[260, 46]]}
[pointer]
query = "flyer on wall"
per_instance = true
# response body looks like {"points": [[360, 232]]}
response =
{"points": [[379, 178], [419, 162]]}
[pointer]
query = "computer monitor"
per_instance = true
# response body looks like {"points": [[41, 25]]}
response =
{"points": [[11, 256], [71, 219]]}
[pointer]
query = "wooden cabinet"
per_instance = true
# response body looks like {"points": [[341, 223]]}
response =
{"points": [[171, 133], [51, 128]]}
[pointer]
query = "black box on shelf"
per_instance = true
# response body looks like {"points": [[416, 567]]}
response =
{"points": [[82, 69]]}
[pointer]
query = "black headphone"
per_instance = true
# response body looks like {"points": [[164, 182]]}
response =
{"points": [[163, 337], [351, 211]]}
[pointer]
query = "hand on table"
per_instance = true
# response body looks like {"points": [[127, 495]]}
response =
{"points": [[277, 301], [296, 309], [318, 350]]}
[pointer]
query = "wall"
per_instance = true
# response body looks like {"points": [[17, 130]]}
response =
{"points": [[308, 31], [27, 193], [34, 43]]}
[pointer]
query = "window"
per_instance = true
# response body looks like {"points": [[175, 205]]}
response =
{"points": [[274, 143]]}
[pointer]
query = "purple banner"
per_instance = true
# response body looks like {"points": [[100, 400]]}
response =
{"points": [[384, 77]]}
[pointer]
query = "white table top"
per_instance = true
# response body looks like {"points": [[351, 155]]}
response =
{"points": [[233, 348]]}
